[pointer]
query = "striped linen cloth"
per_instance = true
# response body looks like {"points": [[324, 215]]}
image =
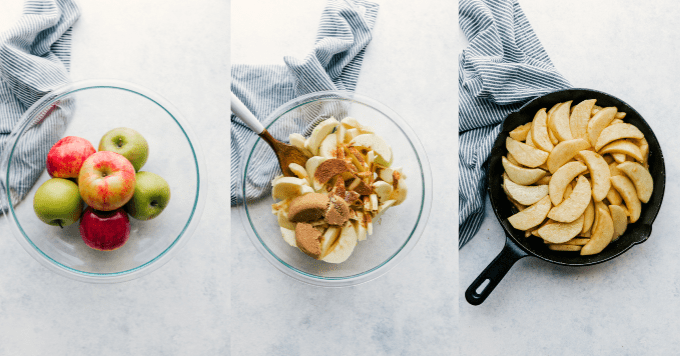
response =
{"points": [[34, 59], [333, 64], [503, 67]]}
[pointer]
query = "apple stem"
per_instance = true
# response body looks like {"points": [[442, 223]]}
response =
{"points": [[59, 222]]}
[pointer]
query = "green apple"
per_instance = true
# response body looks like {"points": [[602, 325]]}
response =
{"points": [[152, 195], [57, 202], [128, 143]]}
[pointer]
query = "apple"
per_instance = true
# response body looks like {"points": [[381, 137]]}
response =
{"points": [[104, 230], [57, 202], [67, 156], [152, 195], [106, 181], [128, 143]]}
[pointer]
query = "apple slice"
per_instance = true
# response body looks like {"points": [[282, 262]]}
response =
{"points": [[531, 216], [617, 132], [602, 233], [620, 220], [539, 131], [560, 122], [378, 145], [311, 166], [557, 232], [525, 154], [598, 122], [627, 190], [562, 178], [578, 121], [344, 246], [588, 217], [329, 147], [288, 236], [323, 129], [520, 132], [329, 237], [623, 147], [614, 197], [599, 173], [564, 151], [520, 175], [574, 206], [383, 190], [287, 187], [524, 194], [644, 184]]}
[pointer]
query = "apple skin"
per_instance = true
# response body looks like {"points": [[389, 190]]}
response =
{"points": [[106, 181], [57, 202], [67, 156], [152, 195], [127, 142], [104, 230]]}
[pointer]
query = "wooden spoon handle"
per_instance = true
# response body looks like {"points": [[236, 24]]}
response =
{"points": [[238, 108]]}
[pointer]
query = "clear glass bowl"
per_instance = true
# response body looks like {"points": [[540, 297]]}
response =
{"points": [[98, 106], [394, 234]]}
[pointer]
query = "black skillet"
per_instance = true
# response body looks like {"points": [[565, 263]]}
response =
{"points": [[516, 245]]}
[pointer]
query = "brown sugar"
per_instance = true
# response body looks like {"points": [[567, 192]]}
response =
{"points": [[308, 239], [308, 207], [329, 169], [337, 212]]}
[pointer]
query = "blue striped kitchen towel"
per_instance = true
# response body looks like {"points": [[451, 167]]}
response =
{"points": [[503, 67], [334, 64], [34, 59]]}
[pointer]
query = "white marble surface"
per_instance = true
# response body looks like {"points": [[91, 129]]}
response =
{"points": [[627, 306], [178, 49], [412, 310]]}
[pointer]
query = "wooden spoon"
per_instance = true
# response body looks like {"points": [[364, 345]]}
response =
{"points": [[285, 153]]}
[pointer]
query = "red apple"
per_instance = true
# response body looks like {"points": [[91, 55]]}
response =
{"points": [[106, 181], [67, 156], [104, 230]]}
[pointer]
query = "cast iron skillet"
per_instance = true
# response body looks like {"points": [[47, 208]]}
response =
{"points": [[516, 245]]}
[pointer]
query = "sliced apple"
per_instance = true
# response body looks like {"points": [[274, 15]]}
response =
{"points": [[627, 190], [383, 190], [557, 232], [614, 197], [520, 175], [560, 122], [578, 121], [617, 132], [620, 220], [328, 239], [311, 166], [598, 122], [574, 206], [539, 131], [599, 173], [525, 194], [565, 151], [613, 170], [329, 147], [284, 222], [323, 129], [602, 234], [531, 216], [399, 193], [525, 154], [288, 236], [378, 145], [287, 187], [513, 160], [530, 141], [562, 178], [544, 180], [520, 132], [564, 247], [588, 217], [641, 178], [344, 245], [623, 146]]}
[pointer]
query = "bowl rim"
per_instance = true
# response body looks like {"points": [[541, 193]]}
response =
{"points": [[169, 252], [399, 254]]}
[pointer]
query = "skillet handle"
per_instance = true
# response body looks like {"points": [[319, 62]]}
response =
{"points": [[494, 273]]}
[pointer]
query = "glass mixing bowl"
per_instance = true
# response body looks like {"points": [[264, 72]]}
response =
{"points": [[97, 106], [394, 234]]}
